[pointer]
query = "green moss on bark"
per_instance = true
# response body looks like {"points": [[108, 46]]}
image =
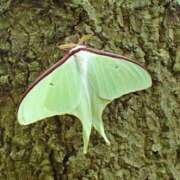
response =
{"points": [[143, 127]]}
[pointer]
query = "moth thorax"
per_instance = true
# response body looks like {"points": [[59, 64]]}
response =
{"points": [[82, 62]]}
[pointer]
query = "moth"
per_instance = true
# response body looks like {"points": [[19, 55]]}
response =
{"points": [[82, 83]]}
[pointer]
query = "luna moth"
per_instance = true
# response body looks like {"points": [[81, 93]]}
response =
{"points": [[82, 83]]}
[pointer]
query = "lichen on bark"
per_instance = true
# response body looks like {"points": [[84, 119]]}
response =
{"points": [[143, 127]]}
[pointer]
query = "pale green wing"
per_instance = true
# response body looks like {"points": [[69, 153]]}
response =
{"points": [[60, 92], [114, 77], [110, 78], [84, 113], [57, 93]]}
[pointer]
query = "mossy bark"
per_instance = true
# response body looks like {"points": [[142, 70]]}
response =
{"points": [[143, 127]]}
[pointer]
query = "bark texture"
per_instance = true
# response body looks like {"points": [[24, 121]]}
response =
{"points": [[143, 127]]}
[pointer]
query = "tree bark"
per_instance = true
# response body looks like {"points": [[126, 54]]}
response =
{"points": [[143, 127]]}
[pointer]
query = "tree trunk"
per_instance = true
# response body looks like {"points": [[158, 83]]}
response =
{"points": [[143, 127]]}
